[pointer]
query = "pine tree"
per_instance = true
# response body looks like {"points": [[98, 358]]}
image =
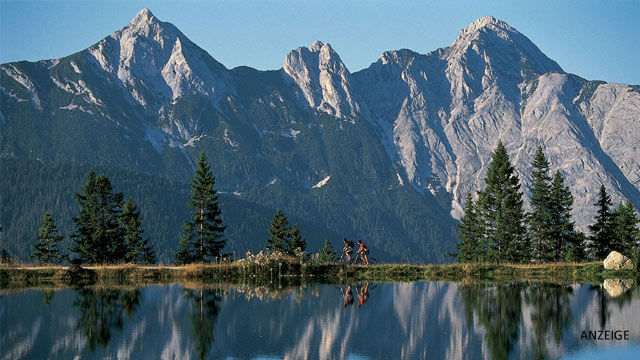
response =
{"points": [[185, 254], [577, 251], [601, 230], [625, 228], [204, 233], [5, 258], [561, 229], [471, 246], [138, 249], [326, 254], [279, 233], [99, 236], [46, 247], [297, 243], [540, 216], [500, 205]]}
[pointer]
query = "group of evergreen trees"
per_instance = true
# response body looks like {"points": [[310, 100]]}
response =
{"points": [[613, 229], [283, 237], [495, 228], [108, 230]]}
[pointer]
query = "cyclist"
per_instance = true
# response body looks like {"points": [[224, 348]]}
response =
{"points": [[348, 248], [363, 251]]}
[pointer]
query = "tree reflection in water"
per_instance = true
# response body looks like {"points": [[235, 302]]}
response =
{"points": [[551, 314], [205, 306], [101, 311], [498, 309], [47, 296]]}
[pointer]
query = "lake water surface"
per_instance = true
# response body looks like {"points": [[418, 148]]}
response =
{"points": [[415, 320]]}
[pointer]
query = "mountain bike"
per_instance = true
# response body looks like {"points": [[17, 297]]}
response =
{"points": [[343, 259], [359, 260]]}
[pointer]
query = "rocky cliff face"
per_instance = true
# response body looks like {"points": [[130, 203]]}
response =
{"points": [[323, 82], [147, 98], [443, 113]]}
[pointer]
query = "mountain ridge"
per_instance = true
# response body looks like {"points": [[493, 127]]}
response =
{"points": [[148, 99]]}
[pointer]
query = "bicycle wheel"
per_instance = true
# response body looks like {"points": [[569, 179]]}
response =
{"points": [[373, 261]]}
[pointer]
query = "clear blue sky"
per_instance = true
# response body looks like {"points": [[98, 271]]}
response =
{"points": [[598, 40]]}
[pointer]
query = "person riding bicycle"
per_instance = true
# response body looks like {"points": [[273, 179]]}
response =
{"points": [[363, 251], [348, 248]]}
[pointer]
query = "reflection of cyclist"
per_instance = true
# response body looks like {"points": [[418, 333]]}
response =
{"points": [[348, 247], [363, 294], [348, 296], [363, 251]]}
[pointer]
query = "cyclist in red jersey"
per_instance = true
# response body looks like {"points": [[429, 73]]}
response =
{"points": [[363, 251]]}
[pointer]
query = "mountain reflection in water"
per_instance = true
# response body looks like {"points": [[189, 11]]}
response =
{"points": [[358, 320]]}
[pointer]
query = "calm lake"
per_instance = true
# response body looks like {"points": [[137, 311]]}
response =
{"points": [[415, 320]]}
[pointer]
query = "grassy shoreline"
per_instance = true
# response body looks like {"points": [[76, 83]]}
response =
{"points": [[594, 272]]}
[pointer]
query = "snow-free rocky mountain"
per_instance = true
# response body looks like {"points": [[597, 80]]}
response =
{"points": [[386, 154]]}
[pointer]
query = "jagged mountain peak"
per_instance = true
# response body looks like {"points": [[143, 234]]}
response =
{"points": [[323, 79], [145, 16], [317, 45], [486, 22], [489, 37], [312, 53], [401, 57], [150, 57]]}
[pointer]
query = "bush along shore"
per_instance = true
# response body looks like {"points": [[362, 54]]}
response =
{"points": [[291, 269]]}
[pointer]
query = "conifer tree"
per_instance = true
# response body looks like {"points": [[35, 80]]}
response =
{"points": [[540, 216], [138, 249], [185, 254], [297, 243], [471, 246], [46, 247], [577, 250], [625, 228], [500, 205], [5, 258], [326, 254], [561, 229], [99, 236], [601, 237], [203, 234], [279, 233]]}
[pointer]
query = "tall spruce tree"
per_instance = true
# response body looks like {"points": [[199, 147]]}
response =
{"points": [[577, 251], [279, 233], [46, 247], [540, 216], [561, 229], [203, 234], [138, 249], [500, 205], [471, 246], [99, 236], [601, 238], [625, 228], [297, 243]]}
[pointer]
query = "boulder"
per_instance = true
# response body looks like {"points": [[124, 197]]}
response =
{"points": [[617, 261], [616, 287]]}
